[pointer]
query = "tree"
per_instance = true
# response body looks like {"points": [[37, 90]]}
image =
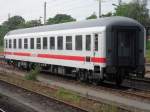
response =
{"points": [[107, 15], [3, 31], [93, 16], [14, 22], [134, 10], [33, 23], [60, 18]]}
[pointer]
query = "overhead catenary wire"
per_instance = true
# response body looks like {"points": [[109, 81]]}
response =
{"points": [[75, 7], [67, 9]]}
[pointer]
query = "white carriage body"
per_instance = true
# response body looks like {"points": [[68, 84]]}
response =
{"points": [[68, 58]]}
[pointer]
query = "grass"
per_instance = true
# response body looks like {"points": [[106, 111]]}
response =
{"points": [[68, 95], [148, 45], [59, 93], [32, 75], [106, 108], [148, 55]]}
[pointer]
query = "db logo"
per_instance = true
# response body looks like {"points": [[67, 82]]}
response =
{"points": [[34, 55]]}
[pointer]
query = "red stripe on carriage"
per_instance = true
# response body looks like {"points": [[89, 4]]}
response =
{"points": [[8, 53], [98, 60], [64, 57], [21, 54], [73, 58]]}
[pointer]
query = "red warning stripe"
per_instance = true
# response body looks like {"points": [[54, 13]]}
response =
{"points": [[98, 60], [21, 54], [62, 57], [8, 53]]}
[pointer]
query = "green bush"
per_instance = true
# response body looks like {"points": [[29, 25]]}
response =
{"points": [[32, 75], [148, 44]]}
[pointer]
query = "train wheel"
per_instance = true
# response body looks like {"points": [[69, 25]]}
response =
{"points": [[142, 74], [119, 77], [82, 76], [119, 81]]}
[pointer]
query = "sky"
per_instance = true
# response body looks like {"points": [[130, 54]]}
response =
{"points": [[33, 9]]}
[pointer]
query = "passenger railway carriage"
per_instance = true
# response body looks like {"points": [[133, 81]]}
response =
{"points": [[107, 48]]}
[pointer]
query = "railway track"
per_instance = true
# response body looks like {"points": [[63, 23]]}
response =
{"points": [[125, 91], [5, 65], [1, 110], [142, 93], [147, 64], [61, 102]]}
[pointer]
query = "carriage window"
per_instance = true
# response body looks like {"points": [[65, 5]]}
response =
{"points": [[6, 44], [60, 43], [68, 42], [96, 42], [32, 43], [88, 42], [15, 44], [45, 43], [26, 43], [10, 43], [38, 43], [78, 42], [20, 43], [52, 42]]}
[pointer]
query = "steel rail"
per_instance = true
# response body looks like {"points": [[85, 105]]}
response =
{"points": [[52, 98], [1, 110], [131, 93]]}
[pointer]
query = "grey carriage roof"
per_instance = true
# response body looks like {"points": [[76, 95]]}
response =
{"points": [[107, 21]]}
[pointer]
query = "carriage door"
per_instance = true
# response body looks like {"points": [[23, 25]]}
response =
{"points": [[126, 47]]}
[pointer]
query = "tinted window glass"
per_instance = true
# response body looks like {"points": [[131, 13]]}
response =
{"points": [[45, 43], [38, 44], [60, 43], [78, 42], [96, 42], [20, 43], [15, 44], [10, 43], [32, 43], [88, 42], [68, 42], [6, 44], [52, 42], [26, 43]]}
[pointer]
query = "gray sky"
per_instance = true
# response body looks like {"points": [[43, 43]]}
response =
{"points": [[33, 9]]}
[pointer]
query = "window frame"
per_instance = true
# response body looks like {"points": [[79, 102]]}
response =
{"points": [[6, 43], [20, 43], [88, 48], [96, 43], [70, 43], [61, 40], [25, 44], [52, 45], [32, 44], [10, 43], [14, 43], [77, 47], [38, 44], [45, 42]]}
